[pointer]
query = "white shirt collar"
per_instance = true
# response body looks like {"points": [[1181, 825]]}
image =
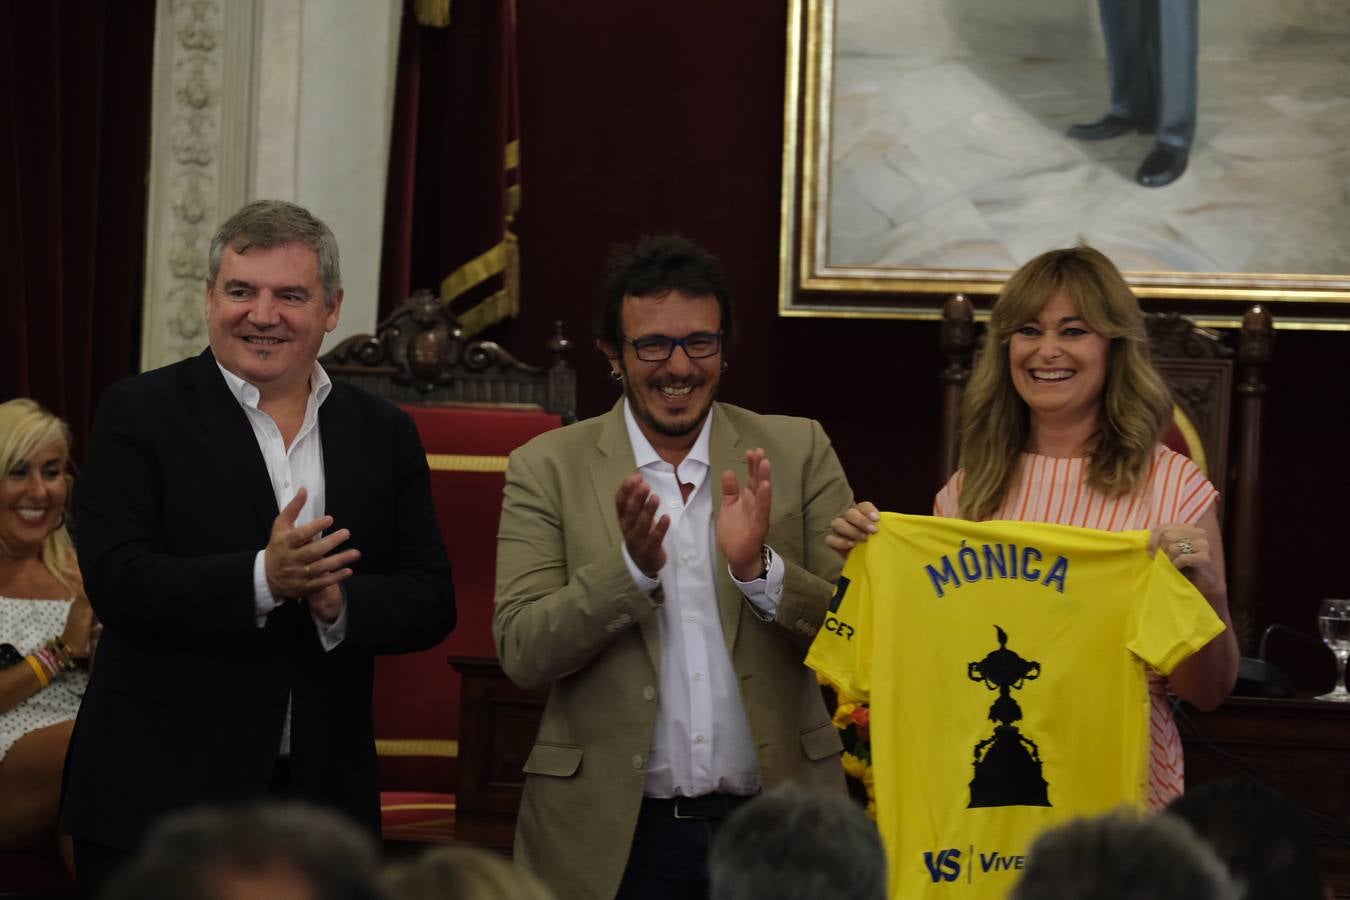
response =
{"points": [[320, 385], [645, 454]]}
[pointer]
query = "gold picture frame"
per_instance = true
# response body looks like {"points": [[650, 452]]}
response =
{"points": [[811, 284]]}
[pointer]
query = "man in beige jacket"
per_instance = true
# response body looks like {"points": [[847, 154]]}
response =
{"points": [[655, 574]]}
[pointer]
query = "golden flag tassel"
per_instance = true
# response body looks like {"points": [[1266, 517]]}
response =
{"points": [[433, 13]]}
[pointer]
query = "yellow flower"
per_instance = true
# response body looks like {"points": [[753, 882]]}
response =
{"points": [[853, 766], [843, 714]]}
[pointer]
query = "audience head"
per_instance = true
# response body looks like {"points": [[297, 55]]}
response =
{"points": [[264, 852], [35, 491], [1265, 838], [1122, 857], [798, 844], [1128, 412], [653, 267], [462, 873], [265, 224]]}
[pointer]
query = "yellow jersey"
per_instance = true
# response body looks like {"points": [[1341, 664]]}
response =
{"points": [[1005, 667]]}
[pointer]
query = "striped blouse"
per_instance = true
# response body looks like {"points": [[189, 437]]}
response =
{"points": [[1056, 491]]}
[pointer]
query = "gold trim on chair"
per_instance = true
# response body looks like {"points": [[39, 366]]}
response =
{"points": [[1194, 446], [408, 807], [449, 462], [416, 747]]}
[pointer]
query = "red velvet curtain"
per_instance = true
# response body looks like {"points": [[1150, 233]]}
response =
{"points": [[74, 151], [447, 200]]}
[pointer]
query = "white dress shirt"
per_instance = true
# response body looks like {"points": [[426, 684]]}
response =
{"points": [[701, 741], [289, 468]]}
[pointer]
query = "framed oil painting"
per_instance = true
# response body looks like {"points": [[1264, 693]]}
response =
{"points": [[932, 146]]}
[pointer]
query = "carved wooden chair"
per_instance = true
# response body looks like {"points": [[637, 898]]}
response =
{"points": [[473, 403], [419, 356], [1208, 378]]}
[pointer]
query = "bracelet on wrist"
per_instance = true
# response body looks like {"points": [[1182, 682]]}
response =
{"points": [[63, 653], [50, 661], [36, 665]]}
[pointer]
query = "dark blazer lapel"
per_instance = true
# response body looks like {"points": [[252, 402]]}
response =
{"points": [[726, 452], [343, 443], [229, 435], [613, 463]]}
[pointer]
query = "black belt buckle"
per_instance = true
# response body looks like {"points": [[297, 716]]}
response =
{"points": [[708, 806]]}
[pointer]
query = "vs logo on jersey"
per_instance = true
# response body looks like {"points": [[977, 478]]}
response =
{"points": [[840, 588], [944, 865]]}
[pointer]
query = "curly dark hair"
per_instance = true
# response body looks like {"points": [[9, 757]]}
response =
{"points": [[653, 267]]}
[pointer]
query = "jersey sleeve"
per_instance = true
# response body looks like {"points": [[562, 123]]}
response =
{"points": [[842, 650], [1171, 620]]}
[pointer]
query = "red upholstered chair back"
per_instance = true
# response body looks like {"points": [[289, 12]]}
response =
{"points": [[1199, 366], [473, 403], [417, 694]]}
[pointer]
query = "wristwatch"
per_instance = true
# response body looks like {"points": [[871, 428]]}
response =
{"points": [[765, 557], [9, 656]]}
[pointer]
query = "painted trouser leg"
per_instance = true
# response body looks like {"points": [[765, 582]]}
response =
{"points": [[1129, 69], [1176, 50]]}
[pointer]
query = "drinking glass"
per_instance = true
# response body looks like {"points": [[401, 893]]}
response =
{"points": [[1333, 620]]}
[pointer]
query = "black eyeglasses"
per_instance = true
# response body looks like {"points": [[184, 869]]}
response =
{"points": [[658, 347]]}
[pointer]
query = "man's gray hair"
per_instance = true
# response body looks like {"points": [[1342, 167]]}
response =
{"points": [[1123, 857], [798, 844], [187, 855], [274, 223]]}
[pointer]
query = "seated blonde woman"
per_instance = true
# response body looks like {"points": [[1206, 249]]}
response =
{"points": [[1063, 423], [46, 623]]}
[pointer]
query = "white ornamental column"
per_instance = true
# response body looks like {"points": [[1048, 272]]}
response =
{"points": [[287, 99], [201, 149]]}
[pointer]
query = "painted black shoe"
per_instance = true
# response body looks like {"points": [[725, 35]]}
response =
{"points": [[1162, 166], [1108, 126]]}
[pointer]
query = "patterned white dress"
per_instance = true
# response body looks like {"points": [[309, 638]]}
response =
{"points": [[1055, 490], [28, 624]]}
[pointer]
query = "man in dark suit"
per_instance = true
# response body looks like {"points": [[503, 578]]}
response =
{"points": [[251, 535], [1151, 51]]}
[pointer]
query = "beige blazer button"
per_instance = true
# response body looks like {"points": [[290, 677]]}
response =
{"points": [[649, 693], [637, 761]]}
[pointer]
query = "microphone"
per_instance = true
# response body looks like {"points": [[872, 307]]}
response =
{"points": [[1277, 628], [1261, 678]]}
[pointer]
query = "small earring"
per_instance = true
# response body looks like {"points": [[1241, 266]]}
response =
{"points": [[725, 365], [616, 375]]}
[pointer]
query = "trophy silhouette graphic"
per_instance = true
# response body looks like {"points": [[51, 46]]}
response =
{"points": [[1007, 765]]}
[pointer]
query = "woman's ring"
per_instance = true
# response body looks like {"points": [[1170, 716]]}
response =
{"points": [[1184, 546]]}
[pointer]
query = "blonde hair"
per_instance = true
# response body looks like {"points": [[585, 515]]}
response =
{"points": [[1136, 404], [26, 426], [462, 873]]}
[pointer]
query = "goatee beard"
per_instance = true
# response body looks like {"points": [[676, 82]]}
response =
{"points": [[664, 428]]}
